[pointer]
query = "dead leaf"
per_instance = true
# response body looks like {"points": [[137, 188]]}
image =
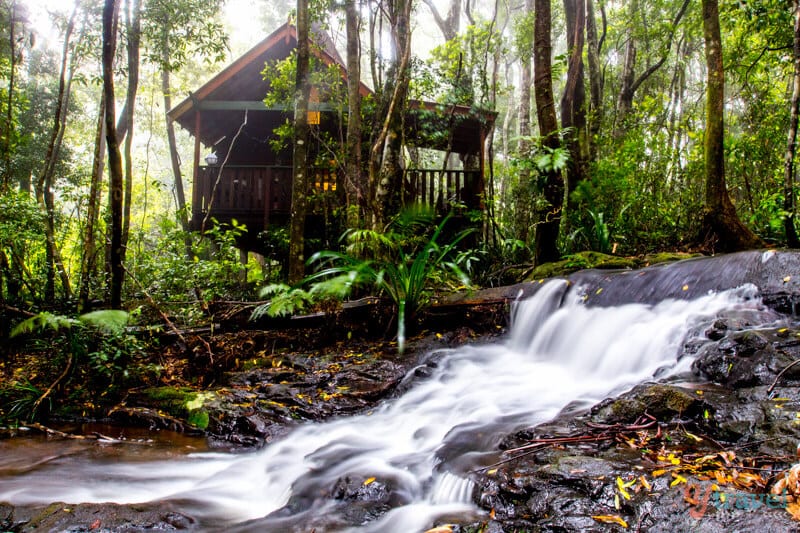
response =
{"points": [[611, 519], [368, 481]]}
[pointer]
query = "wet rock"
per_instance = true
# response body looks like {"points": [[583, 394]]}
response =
{"points": [[101, 517], [748, 358], [662, 401]]}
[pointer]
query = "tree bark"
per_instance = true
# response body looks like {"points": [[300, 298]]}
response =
{"points": [[44, 183], [89, 259], [354, 179], [522, 200], [722, 227], [300, 157], [133, 30], [385, 168], [110, 15], [573, 101], [547, 229], [595, 78], [791, 145]]}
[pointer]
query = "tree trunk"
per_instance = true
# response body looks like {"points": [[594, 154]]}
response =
{"points": [[522, 200], [791, 145], [89, 259], [300, 158], [723, 229], [354, 179], [110, 15], [386, 172], [573, 102], [133, 27], [180, 195], [595, 79], [547, 229], [8, 130], [44, 183]]}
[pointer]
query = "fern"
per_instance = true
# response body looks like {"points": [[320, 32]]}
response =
{"points": [[43, 321], [112, 321], [285, 301]]}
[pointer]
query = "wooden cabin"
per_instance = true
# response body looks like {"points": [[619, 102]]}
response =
{"points": [[239, 174]]}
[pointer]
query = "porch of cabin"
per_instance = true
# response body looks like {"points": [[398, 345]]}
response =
{"points": [[260, 196]]}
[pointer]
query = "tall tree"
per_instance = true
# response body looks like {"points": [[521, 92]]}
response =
{"points": [[133, 34], [45, 180], [722, 226], [385, 167], [522, 201], [630, 81], [300, 157], [356, 188], [573, 101], [791, 145], [116, 178], [593, 43], [547, 229]]}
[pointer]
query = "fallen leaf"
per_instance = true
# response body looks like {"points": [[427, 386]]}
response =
{"points": [[685, 288], [95, 525], [368, 481], [787, 279], [611, 519]]}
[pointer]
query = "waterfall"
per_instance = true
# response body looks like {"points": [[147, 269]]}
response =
{"points": [[412, 454]]}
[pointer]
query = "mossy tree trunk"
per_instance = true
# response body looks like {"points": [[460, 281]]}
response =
{"points": [[722, 228], [300, 158]]}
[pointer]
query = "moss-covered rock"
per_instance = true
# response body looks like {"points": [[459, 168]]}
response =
{"points": [[580, 261]]}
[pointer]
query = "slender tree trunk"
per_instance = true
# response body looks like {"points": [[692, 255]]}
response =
{"points": [[595, 79], [724, 231], [89, 259], [547, 229], [385, 166], [8, 130], [44, 183], [180, 195], [354, 179], [110, 15], [573, 102], [300, 159], [522, 200], [133, 26], [791, 145]]}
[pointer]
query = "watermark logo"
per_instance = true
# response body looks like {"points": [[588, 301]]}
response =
{"points": [[700, 497]]}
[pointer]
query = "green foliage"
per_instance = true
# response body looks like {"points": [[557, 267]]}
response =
{"points": [[93, 352], [214, 270], [395, 263]]}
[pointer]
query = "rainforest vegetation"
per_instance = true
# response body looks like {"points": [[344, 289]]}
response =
{"points": [[622, 127]]}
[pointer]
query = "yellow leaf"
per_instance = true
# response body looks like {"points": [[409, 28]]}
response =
{"points": [[441, 529], [657, 473], [491, 472], [794, 510], [693, 436], [644, 482], [611, 519], [685, 288], [616, 501], [621, 487], [699, 392], [787, 279], [599, 290], [368, 481], [678, 479]]}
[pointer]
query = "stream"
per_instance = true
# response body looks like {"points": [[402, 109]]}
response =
{"points": [[404, 466]]}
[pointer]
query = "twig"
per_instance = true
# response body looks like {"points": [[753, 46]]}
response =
{"points": [[53, 385], [18, 310], [153, 303], [774, 383]]}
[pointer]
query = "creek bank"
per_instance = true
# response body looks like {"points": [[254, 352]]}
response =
{"points": [[562, 486], [675, 453]]}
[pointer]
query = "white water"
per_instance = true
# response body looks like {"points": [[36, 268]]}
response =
{"points": [[420, 445]]}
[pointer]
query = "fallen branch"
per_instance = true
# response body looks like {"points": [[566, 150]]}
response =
{"points": [[53, 385], [780, 374]]}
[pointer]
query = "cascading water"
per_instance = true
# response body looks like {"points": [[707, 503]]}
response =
{"points": [[416, 450]]}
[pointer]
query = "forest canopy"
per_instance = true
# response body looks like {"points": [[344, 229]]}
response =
{"points": [[621, 127]]}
